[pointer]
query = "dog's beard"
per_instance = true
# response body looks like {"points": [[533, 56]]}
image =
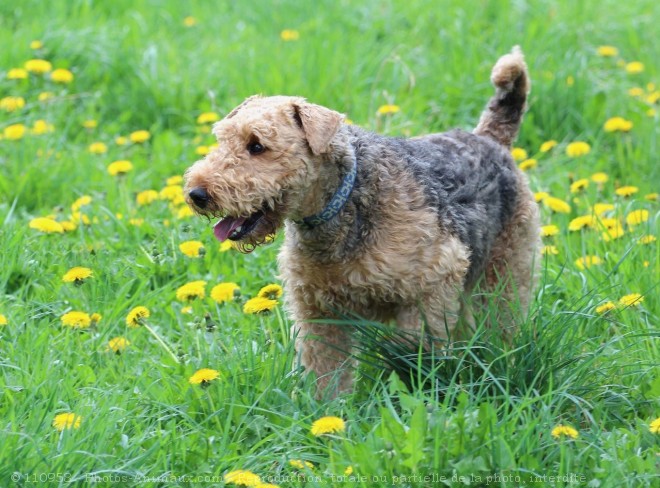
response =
{"points": [[264, 232]]}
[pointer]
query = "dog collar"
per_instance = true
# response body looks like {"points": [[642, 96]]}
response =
{"points": [[337, 201]]}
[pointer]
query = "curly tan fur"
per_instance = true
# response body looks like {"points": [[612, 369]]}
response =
{"points": [[429, 220]]}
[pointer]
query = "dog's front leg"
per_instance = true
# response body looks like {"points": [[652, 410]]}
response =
{"points": [[325, 350]]}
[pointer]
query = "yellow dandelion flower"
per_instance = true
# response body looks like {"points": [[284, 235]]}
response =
{"points": [[121, 140], [68, 226], [601, 208], [192, 249], [327, 425], [46, 225], [36, 44], [259, 305], [118, 344], [174, 193], [651, 197], [600, 178], [272, 292], [580, 223], [654, 426], [617, 124], [586, 262], [518, 154], [540, 196], [556, 205], [564, 430], [548, 145], [42, 127], [605, 307], [77, 275], [226, 246], [577, 149], [17, 74], [636, 92], [44, 96], [97, 148], [192, 290], [266, 485], [549, 230], [648, 239], [189, 21], [208, 118], [549, 251], [11, 104], [202, 150], [204, 376], [348, 471], [76, 320], [137, 315], [300, 464], [289, 35], [613, 233], [652, 98], [634, 67], [610, 223], [184, 212], [579, 185], [174, 180], [38, 66], [388, 109], [81, 202], [528, 164], [3, 320], [225, 292], [146, 197], [14, 132], [62, 76], [80, 218], [637, 217], [67, 420], [607, 51], [139, 136], [121, 167], [90, 124], [96, 318], [136, 222], [570, 80], [626, 191], [632, 300]]}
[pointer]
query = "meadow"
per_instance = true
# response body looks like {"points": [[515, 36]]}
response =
{"points": [[135, 350]]}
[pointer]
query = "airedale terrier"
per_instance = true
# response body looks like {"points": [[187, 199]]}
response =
{"points": [[389, 229]]}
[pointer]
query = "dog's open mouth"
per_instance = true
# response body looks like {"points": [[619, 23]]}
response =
{"points": [[236, 228]]}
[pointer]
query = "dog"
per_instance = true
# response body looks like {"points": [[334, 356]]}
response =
{"points": [[409, 231]]}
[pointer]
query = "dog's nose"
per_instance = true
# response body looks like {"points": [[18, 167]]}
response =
{"points": [[199, 197]]}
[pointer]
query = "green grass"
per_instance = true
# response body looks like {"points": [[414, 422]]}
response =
{"points": [[481, 412]]}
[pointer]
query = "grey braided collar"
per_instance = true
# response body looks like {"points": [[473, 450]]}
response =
{"points": [[336, 203]]}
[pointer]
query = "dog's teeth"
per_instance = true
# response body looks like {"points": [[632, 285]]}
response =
{"points": [[239, 228]]}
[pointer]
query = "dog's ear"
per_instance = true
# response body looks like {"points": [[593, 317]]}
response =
{"points": [[319, 124]]}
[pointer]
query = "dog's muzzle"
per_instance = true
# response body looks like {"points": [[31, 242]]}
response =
{"points": [[199, 197]]}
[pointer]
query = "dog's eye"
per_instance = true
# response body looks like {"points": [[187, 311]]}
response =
{"points": [[255, 148]]}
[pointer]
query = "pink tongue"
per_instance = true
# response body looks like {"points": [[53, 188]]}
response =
{"points": [[224, 228]]}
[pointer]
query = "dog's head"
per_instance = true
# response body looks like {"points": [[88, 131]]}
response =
{"points": [[267, 162]]}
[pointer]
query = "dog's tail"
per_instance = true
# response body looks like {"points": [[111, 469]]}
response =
{"points": [[501, 119]]}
